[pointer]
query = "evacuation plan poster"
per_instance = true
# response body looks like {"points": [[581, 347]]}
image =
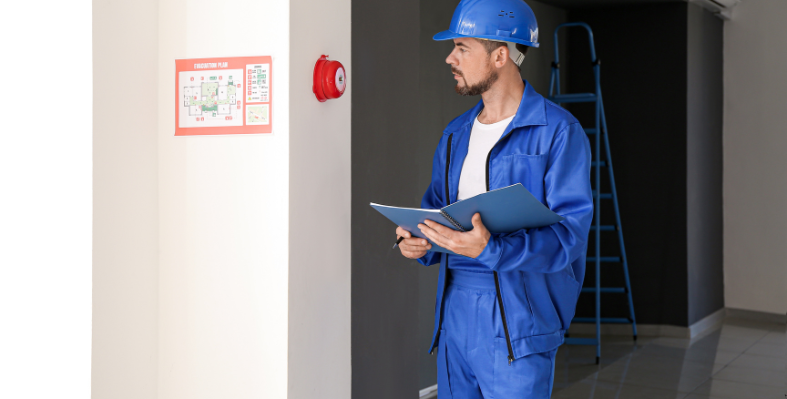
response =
{"points": [[226, 95]]}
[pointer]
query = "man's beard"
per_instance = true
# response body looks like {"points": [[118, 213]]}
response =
{"points": [[478, 88]]}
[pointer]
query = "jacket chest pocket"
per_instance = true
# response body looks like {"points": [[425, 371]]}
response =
{"points": [[528, 170]]}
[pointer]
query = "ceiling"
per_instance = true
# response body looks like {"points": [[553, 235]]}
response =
{"points": [[597, 3]]}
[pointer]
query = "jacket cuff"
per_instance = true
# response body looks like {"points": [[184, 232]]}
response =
{"points": [[491, 254], [428, 259]]}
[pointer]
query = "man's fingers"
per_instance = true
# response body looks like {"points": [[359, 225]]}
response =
{"points": [[439, 228], [415, 241], [478, 223], [415, 244], [413, 255], [402, 232], [477, 220], [436, 238]]}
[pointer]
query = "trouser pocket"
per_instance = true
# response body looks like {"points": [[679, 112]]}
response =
{"points": [[527, 377]]}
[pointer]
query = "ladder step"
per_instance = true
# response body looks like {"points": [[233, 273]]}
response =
{"points": [[605, 290], [603, 195], [574, 98], [581, 341], [591, 130], [605, 259], [604, 228], [608, 320], [596, 163]]}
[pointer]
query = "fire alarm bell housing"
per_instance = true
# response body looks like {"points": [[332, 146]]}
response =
{"points": [[330, 79]]}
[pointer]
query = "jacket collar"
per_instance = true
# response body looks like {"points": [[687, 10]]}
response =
{"points": [[531, 112]]}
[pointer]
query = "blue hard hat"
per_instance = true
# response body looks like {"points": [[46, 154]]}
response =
{"points": [[501, 20]]}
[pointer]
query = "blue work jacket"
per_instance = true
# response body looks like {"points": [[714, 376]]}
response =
{"points": [[538, 272]]}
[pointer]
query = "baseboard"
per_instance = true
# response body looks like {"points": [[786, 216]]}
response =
{"points": [[702, 326], [755, 315], [428, 392], [707, 323]]}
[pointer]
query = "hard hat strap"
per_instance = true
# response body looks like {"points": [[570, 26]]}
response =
{"points": [[515, 54]]}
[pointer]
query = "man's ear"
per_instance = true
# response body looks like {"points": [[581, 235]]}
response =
{"points": [[501, 56]]}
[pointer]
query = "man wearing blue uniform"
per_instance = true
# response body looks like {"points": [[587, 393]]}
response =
{"points": [[505, 301]]}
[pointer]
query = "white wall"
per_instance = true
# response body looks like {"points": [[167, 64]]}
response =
{"points": [[45, 199], [194, 272], [319, 298], [223, 206], [125, 200], [755, 166]]}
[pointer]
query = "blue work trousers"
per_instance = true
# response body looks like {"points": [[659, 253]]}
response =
{"points": [[472, 353]]}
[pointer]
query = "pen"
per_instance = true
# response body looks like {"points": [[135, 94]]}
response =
{"points": [[398, 241]]}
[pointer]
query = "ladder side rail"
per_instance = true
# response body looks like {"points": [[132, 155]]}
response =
{"points": [[597, 210], [555, 78], [552, 81], [623, 256], [590, 35]]}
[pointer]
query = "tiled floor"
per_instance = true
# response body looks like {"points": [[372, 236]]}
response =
{"points": [[741, 360]]}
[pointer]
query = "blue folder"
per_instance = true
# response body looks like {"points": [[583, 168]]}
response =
{"points": [[504, 210]]}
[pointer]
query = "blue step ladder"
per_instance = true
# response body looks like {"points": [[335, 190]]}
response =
{"points": [[597, 132]]}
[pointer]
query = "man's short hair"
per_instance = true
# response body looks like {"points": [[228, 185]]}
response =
{"points": [[492, 45]]}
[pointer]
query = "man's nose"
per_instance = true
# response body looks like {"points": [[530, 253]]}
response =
{"points": [[451, 59]]}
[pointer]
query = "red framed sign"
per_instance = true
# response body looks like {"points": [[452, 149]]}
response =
{"points": [[223, 95]]}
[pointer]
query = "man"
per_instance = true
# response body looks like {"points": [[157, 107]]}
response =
{"points": [[505, 301]]}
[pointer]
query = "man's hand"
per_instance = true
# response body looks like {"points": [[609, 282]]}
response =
{"points": [[412, 247], [470, 243]]}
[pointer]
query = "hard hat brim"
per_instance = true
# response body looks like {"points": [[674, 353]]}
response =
{"points": [[448, 35]]}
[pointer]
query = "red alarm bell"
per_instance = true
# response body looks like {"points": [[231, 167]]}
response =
{"points": [[330, 79]]}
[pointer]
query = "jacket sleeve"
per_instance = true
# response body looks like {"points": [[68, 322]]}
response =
{"points": [[568, 193], [433, 198]]}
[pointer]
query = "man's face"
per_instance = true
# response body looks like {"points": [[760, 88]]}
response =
{"points": [[472, 67]]}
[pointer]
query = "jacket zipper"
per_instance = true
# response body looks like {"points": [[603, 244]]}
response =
{"points": [[497, 279], [447, 164], [447, 202]]}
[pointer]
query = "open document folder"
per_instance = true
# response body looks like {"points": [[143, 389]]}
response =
{"points": [[504, 210]]}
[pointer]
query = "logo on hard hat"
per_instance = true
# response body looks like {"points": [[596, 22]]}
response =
{"points": [[534, 35]]}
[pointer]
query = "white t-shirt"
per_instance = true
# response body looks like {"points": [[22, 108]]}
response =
{"points": [[472, 181]]}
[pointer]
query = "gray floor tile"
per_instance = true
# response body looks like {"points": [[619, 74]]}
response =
{"points": [[775, 337], [590, 389], [767, 349], [752, 376], [673, 374], [729, 330], [760, 362], [576, 362], [568, 374], [672, 342], [609, 352], [727, 344], [761, 325], [738, 390], [697, 354]]}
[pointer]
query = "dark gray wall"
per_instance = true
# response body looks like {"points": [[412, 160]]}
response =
{"points": [[704, 169], [663, 99], [385, 169], [643, 79], [438, 105]]}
